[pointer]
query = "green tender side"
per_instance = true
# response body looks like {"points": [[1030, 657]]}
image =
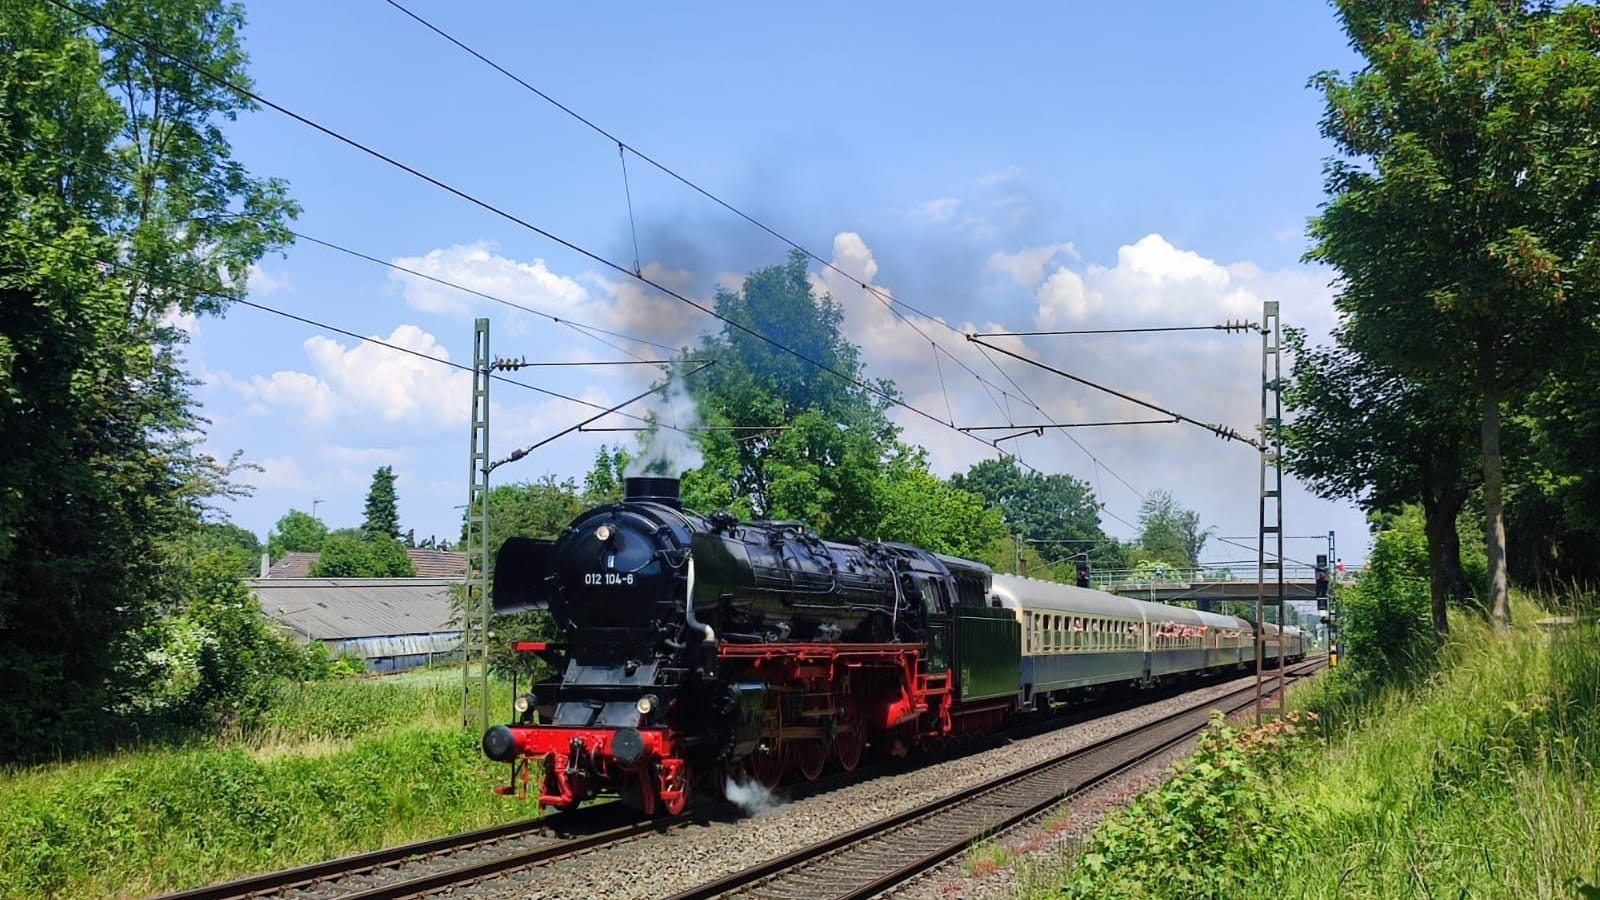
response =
{"points": [[988, 653]]}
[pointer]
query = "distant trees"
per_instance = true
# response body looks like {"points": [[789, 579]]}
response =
{"points": [[1054, 515], [350, 556]]}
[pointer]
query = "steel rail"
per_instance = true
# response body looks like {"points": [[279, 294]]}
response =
{"points": [[392, 857], [994, 792]]}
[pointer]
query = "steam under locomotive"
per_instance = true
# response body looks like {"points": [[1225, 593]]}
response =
{"points": [[701, 648]]}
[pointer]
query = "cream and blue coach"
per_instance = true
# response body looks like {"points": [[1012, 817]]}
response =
{"points": [[1075, 639]]}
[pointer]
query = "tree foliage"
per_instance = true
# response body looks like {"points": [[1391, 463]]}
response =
{"points": [[355, 556], [1368, 431], [120, 210], [1464, 206], [296, 532], [383, 507], [1056, 514], [1169, 531]]}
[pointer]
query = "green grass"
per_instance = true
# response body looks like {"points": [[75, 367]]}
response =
{"points": [[339, 767], [1479, 781]]}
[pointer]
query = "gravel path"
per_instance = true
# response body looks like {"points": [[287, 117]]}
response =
{"points": [[666, 864]]}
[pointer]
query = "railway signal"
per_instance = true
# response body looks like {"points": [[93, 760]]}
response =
{"points": [[1083, 570], [1322, 581]]}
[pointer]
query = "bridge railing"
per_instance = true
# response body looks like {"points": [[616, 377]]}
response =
{"points": [[1145, 578]]}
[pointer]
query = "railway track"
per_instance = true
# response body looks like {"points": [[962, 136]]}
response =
{"points": [[408, 869], [428, 867], [879, 856]]}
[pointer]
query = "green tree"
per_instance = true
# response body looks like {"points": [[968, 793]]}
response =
{"points": [[1462, 215], [238, 545], [1366, 431], [921, 509], [1170, 532], [823, 458], [383, 509], [349, 556], [296, 532], [1057, 514], [603, 483], [122, 209]]}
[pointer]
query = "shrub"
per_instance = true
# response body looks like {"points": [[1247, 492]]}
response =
{"points": [[1214, 819]]}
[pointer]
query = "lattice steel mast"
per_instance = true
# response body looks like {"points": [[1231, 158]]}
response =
{"points": [[475, 606], [1270, 591]]}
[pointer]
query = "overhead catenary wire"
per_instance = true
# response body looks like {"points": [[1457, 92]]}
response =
{"points": [[306, 320], [487, 206], [1221, 431], [888, 300], [1229, 326]]}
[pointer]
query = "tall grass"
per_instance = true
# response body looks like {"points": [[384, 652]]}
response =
{"points": [[1477, 780], [337, 767]]}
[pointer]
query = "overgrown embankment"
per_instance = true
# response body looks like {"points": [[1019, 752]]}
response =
{"points": [[335, 767], [1478, 780]]}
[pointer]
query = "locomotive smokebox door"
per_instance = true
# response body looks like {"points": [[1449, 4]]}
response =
{"points": [[522, 572]]}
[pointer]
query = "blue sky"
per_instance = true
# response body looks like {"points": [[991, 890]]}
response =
{"points": [[1068, 165]]}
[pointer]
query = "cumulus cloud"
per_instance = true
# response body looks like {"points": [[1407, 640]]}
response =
{"points": [[1208, 375], [479, 267], [366, 383]]}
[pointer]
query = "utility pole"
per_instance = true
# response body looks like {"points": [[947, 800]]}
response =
{"points": [[1270, 592], [475, 607]]}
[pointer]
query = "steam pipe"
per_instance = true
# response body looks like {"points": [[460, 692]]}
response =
{"points": [[688, 609]]}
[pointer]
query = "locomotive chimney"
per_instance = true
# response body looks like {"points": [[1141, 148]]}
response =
{"points": [[652, 489]]}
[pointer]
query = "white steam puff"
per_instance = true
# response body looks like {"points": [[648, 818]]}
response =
{"points": [[670, 448], [751, 798]]}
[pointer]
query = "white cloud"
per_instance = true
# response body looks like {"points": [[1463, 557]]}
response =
{"points": [[262, 283], [1208, 375], [1026, 267], [478, 267], [367, 383]]}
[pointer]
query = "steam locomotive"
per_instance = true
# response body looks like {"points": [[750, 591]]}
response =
{"points": [[701, 648]]}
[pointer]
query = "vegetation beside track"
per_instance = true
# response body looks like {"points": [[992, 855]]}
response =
{"points": [[1478, 780], [335, 767]]}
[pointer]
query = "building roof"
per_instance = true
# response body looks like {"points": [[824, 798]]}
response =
{"points": [[428, 563], [338, 608]]}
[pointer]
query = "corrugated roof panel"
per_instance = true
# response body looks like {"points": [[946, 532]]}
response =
{"points": [[337, 608]]}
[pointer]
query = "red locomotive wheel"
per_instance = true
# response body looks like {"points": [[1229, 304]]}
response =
{"points": [[810, 756], [771, 758], [767, 765], [849, 744]]}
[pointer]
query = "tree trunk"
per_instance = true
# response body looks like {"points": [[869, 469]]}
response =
{"points": [[1437, 523], [1493, 506]]}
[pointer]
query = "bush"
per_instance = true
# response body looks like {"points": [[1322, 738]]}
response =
{"points": [[1196, 835], [346, 556], [215, 662]]}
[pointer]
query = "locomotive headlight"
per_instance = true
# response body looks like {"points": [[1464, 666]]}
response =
{"points": [[521, 704], [647, 704], [604, 533]]}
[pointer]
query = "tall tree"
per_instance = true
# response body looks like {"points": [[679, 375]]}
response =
{"points": [[296, 532], [1464, 206], [1169, 531], [1368, 432], [821, 461], [120, 211], [383, 509]]}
